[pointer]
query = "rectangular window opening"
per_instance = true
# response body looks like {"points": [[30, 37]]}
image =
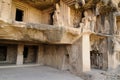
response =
{"points": [[19, 15]]}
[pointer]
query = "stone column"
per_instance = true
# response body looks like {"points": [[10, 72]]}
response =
{"points": [[112, 63], [86, 52], [40, 55], [20, 54]]}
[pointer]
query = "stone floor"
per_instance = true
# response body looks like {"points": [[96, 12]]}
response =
{"points": [[35, 73]]}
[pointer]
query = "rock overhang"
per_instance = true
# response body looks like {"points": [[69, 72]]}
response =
{"points": [[40, 33]]}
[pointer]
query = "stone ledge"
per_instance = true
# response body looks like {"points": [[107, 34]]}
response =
{"points": [[38, 33]]}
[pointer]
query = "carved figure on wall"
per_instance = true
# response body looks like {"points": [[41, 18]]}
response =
{"points": [[93, 23], [97, 9], [57, 21], [88, 22], [0, 7], [106, 26]]}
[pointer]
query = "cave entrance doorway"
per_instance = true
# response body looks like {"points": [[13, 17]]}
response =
{"points": [[30, 54], [96, 59], [3, 53]]}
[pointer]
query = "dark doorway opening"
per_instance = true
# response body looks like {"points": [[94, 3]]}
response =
{"points": [[51, 18], [96, 59], [30, 54], [19, 15], [3, 53], [25, 52]]}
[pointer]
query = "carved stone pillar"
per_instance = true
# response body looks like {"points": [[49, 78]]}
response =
{"points": [[40, 55], [85, 52], [20, 54]]}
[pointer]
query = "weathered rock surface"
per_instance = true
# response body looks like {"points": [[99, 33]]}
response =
{"points": [[38, 33]]}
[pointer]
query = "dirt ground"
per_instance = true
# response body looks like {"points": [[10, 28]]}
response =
{"points": [[102, 75], [35, 73], [47, 73]]}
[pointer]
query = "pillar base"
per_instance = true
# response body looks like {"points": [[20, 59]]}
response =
{"points": [[19, 59]]}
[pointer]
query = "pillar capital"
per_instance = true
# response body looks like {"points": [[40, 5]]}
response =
{"points": [[87, 32]]}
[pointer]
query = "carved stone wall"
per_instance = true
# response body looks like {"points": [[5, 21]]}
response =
{"points": [[65, 11], [74, 19], [31, 14], [118, 26], [53, 55], [5, 9], [64, 57], [75, 52]]}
